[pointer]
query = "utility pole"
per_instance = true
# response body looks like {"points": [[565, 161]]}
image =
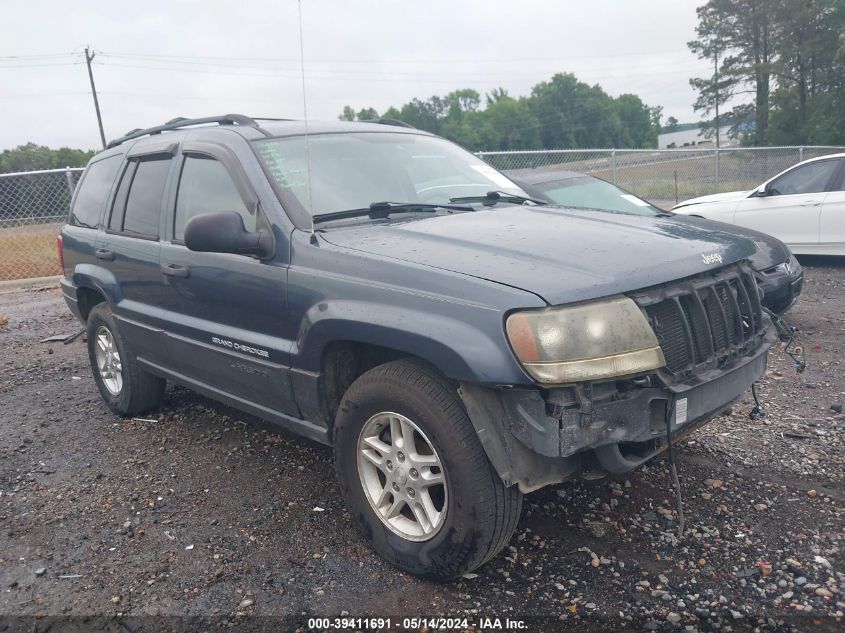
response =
{"points": [[89, 57]]}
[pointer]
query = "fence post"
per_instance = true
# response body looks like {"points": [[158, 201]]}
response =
{"points": [[69, 179], [613, 165], [801, 154], [718, 186], [676, 186]]}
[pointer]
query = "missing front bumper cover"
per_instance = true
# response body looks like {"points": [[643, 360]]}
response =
{"points": [[535, 438]]}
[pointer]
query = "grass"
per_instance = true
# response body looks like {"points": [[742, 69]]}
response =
{"points": [[29, 251]]}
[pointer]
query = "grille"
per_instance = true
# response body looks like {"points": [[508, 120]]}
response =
{"points": [[705, 322]]}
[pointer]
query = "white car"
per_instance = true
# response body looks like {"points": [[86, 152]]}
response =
{"points": [[803, 206]]}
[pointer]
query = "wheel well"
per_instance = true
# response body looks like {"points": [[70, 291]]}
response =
{"points": [[86, 299], [343, 362]]}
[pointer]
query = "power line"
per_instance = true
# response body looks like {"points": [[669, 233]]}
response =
{"points": [[437, 60], [44, 56], [686, 65], [385, 76]]}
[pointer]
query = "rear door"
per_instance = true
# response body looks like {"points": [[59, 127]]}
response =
{"points": [[792, 209], [225, 312], [79, 236], [832, 233], [129, 249]]}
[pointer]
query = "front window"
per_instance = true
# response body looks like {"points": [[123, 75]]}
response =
{"points": [[591, 193], [806, 179], [354, 170], [205, 187]]}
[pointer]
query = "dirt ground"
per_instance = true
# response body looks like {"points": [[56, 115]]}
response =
{"points": [[29, 251], [202, 511]]}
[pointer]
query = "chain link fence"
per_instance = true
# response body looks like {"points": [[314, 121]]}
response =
{"points": [[33, 207], [668, 176]]}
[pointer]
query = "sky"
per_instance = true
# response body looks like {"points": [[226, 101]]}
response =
{"points": [[159, 59]]}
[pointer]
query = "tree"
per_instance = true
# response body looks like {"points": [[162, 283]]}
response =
{"points": [[514, 124], [671, 125], [738, 37], [461, 101], [790, 55], [574, 114], [639, 123], [808, 100], [496, 95], [367, 114], [348, 114], [560, 113], [713, 91], [32, 157]]}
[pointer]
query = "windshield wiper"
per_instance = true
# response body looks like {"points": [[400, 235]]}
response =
{"points": [[492, 197], [381, 210]]}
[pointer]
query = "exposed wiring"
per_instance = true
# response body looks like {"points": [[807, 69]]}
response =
{"points": [[673, 472], [757, 409], [786, 332]]}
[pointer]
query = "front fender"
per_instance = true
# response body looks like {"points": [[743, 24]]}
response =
{"points": [[467, 350]]}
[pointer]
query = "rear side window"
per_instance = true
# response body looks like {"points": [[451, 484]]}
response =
{"points": [[93, 191], [205, 186], [145, 185]]}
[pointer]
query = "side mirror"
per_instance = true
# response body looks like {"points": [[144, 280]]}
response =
{"points": [[761, 192], [224, 232]]}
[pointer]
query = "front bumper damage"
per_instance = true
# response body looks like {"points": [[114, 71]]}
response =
{"points": [[780, 289], [536, 437]]}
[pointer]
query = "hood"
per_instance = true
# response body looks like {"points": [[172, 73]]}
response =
{"points": [[559, 255], [730, 196], [770, 250]]}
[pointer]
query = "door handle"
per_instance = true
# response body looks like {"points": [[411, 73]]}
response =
{"points": [[810, 203], [104, 253], [175, 270]]}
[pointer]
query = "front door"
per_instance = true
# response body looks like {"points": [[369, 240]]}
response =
{"points": [[791, 210], [832, 232], [225, 312]]}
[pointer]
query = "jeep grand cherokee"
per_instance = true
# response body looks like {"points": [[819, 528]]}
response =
{"points": [[381, 290]]}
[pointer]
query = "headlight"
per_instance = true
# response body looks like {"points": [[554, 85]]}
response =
{"points": [[601, 339]]}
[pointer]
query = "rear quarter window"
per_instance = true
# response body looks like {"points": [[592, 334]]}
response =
{"points": [[93, 190]]}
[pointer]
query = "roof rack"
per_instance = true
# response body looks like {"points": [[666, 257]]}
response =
{"points": [[395, 122], [182, 122]]}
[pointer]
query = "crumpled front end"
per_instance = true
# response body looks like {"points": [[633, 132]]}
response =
{"points": [[715, 338]]}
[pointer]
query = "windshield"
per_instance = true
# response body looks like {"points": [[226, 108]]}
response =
{"points": [[354, 170], [591, 193]]}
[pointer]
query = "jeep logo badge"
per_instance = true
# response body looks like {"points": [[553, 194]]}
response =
{"points": [[711, 258]]}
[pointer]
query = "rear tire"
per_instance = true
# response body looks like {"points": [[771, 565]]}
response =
{"points": [[476, 513], [126, 388]]}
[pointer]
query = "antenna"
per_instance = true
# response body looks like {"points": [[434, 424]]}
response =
{"points": [[305, 117]]}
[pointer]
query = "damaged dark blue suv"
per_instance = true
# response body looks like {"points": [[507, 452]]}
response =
{"points": [[381, 290]]}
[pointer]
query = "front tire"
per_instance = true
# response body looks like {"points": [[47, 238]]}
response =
{"points": [[126, 388], [415, 475]]}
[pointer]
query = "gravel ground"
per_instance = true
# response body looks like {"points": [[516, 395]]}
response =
{"points": [[202, 511]]}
